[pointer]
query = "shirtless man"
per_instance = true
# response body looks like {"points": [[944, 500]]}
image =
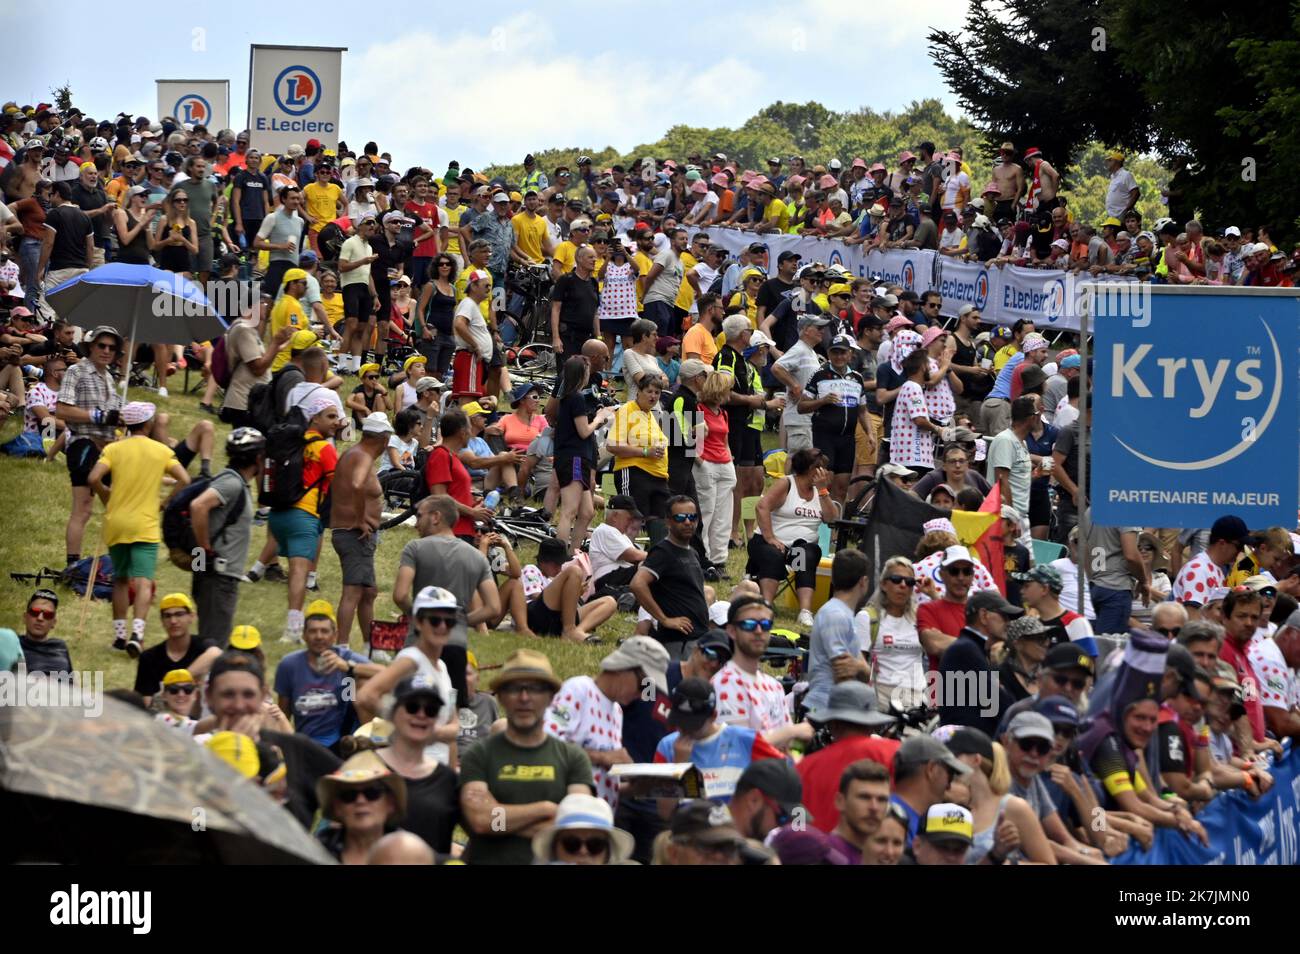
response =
{"points": [[1009, 177], [355, 510], [1043, 184], [22, 183]]}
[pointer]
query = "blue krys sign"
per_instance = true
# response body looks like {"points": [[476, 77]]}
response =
{"points": [[1196, 409]]}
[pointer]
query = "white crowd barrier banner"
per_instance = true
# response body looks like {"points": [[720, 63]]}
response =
{"points": [[196, 102], [293, 96], [1004, 294]]}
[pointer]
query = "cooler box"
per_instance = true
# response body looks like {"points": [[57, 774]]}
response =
{"points": [[787, 600]]}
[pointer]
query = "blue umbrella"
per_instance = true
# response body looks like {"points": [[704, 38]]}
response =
{"points": [[145, 305]]}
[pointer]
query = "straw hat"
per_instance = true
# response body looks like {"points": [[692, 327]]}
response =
{"points": [[360, 770]]}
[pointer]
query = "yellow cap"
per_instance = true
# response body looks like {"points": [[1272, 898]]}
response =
{"points": [[294, 275], [414, 359], [236, 750], [320, 608], [177, 677], [245, 637], [302, 340], [176, 601], [87, 166], [376, 730], [473, 408], [516, 197], [1116, 155], [368, 368], [839, 289], [471, 658], [751, 273]]}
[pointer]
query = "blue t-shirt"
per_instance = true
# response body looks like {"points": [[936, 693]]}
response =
{"points": [[721, 759], [316, 700], [832, 635], [913, 819], [1002, 386], [479, 448]]}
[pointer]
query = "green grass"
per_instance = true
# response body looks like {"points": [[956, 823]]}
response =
{"points": [[38, 498]]}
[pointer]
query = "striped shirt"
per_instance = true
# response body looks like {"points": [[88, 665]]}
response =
{"points": [[86, 387]]}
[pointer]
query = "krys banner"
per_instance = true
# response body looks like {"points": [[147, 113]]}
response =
{"points": [[293, 96], [1195, 409]]}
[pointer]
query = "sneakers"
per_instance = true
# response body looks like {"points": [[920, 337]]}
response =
{"points": [[805, 619], [288, 640], [627, 602], [133, 646], [273, 574], [162, 392], [207, 409], [711, 574], [119, 644]]}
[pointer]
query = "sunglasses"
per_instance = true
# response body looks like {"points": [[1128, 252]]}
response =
{"points": [[371, 793], [370, 377], [960, 570], [1065, 731], [1039, 747], [782, 816], [187, 688], [532, 688], [444, 264], [592, 845], [416, 706], [686, 517], [1170, 631], [180, 201], [106, 345], [750, 625], [42, 614], [437, 619], [908, 581], [1074, 682]]}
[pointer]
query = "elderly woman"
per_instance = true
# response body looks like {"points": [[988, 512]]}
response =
{"points": [[640, 359], [887, 632], [789, 517], [714, 469], [1027, 643], [583, 834], [640, 452], [364, 799], [433, 803]]}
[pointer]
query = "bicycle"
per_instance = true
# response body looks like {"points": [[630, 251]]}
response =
{"points": [[530, 356]]}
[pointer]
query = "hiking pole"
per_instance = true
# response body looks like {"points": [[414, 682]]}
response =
{"points": [[90, 580]]}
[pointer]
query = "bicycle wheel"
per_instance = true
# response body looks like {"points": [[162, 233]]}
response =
{"points": [[534, 361]]}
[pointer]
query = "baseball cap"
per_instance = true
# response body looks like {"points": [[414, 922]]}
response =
{"points": [[176, 600], [1034, 342], [992, 600], [1067, 655], [843, 342], [692, 367], [414, 686], [1031, 725], [428, 383], [693, 703], [477, 275], [178, 677], [813, 321], [948, 823], [1025, 626], [320, 608], [775, 778], [1180, 660], [137, 412], [920, 749], [644, 653], [1230, 527], [1047, 575], [787, 255], [715, 643], [500, 197], [434, 597], [1058, 710], [302, 340], [705, 822], [245, 637], [969, 740], [956, 554], [624, 502], [293, 275]]}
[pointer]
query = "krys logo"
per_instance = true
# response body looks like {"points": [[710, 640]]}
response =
{"points": [[192, 108], [1224, 400], [297, 90]]}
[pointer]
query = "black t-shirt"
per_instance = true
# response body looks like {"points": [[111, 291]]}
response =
{"points": [[887, 379], [1174, 756], [154, 663], [45, 655], [1008, 680], [729, 359], [974, 386], [785, 325], [433, 808], [72, 226], [682, 405], [1015, 560], [836, 419], [578, 298], [679, 584], [771, 292], [88, 200], [568, 443], [1067, 444], [255, 188]]}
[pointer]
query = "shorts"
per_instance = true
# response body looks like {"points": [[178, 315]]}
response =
{"points": [[467, 373], [356, 556], [82, 455], [571, 469], [650, 492], [235, 417], [1040, 506], [296, 531], [867, 451], [766, 562], [746, 446], [184, 454], [840, 450], [356, 301], [543, 620], [203, 257], [1004, 209], [662, 314], [274, 277], [798, 437], [615, 326], [497, 360], [134, 560]]}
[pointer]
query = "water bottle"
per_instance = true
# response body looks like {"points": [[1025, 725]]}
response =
{"points": [[492, 499]]}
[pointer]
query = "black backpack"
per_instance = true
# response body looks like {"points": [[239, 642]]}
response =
{"points": [[330, 240], [177, 530], [265, 398], [282, 476]]}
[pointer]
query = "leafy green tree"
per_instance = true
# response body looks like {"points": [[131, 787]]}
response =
{"points": [[62, 97]]}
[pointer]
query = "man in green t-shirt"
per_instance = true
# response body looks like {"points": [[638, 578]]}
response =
{"points": [[512, 782]]}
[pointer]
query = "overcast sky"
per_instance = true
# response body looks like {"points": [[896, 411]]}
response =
{"points": [[429, 82]]}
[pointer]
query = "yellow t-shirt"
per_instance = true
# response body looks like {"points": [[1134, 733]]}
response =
{"points": [[686, 294], [462, 280], [116, 190], [288, 311], [699, 341], [640, 429], [530, 232], [322, 203], [1003, 355], [643, 265], [777, 213], [565, 254], [453, 228], [750, 305], [333, 306], [138, 465]]}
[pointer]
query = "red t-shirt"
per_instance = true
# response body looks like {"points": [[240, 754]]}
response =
{"points": [[715, 449], [444, 468], [429, 213], [32, 216], [945, 616], [821, 771], [1236, 658]]}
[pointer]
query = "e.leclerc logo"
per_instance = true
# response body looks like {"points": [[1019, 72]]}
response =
{"points": [[1225, 401], [297, 90], [1054, 297], [192, 108], [909, 275]]}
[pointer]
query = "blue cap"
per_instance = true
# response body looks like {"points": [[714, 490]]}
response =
{"points": [[611, 196], [1071, 361], [1059, 710]]}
